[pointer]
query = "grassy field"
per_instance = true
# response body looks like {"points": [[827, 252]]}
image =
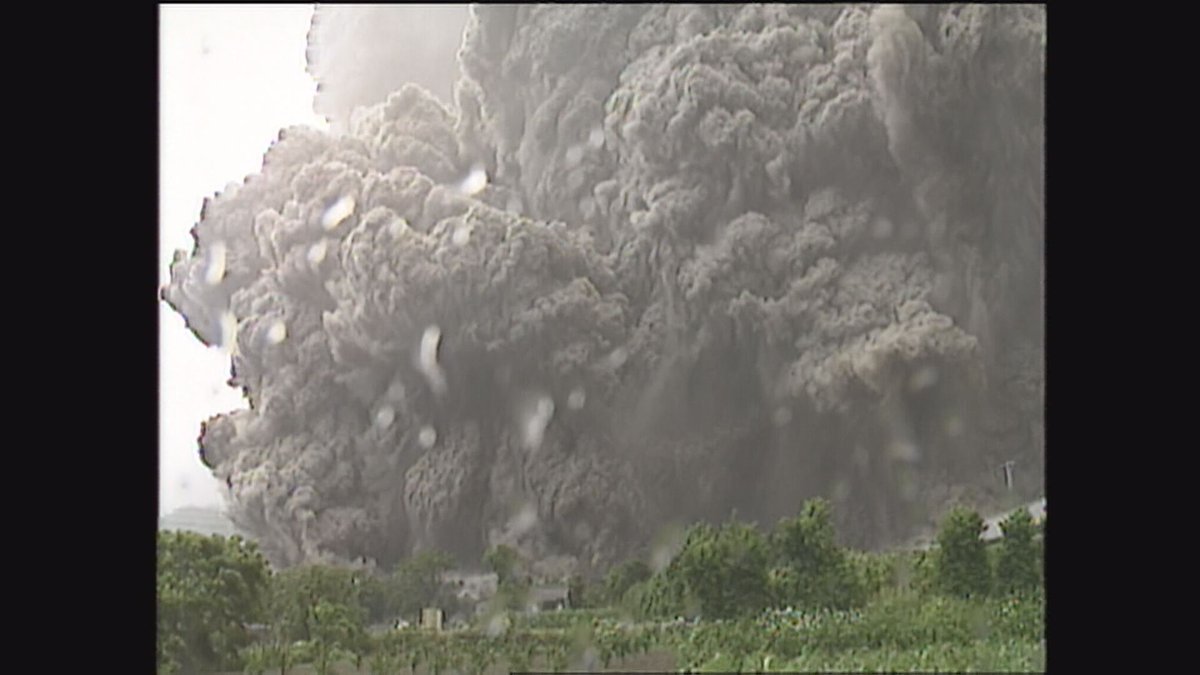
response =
{"points": [[897, 632], [983, 656], [656, 661]]}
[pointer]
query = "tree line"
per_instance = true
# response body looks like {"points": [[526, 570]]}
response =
{"points": [[221, 607]]}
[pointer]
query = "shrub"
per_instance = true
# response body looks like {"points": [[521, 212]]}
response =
{"points": [[664, 596], [1018, 560], [879, 572], [724, 570], [812, 571], [208, 589], [962, 558], [622, 577]]}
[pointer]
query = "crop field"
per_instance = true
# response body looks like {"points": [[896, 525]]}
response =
{"points": [[902, 632]]}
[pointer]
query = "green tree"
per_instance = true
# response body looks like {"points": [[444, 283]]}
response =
{"points": [[386, 657], [278, 650], [512, 589], [320, 606], [724, 570], [414, 647], [256, 659], [480, 653], [664, 596], [1039, 544], [1018, 561], [518, 650], [337, 633], [879, 572], [812, 570], [209, 589], [512, 595], [579, 593], [962, 558], [440, 656], [623, 577], [373, 593], [504, 561], [417, 582]]}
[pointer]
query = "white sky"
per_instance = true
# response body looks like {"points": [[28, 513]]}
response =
{"points": [[230, 77]]}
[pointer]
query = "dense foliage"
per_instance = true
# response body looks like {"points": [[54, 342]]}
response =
{"points": [[209, 589], [504, 561], [623, 577], [417, 582], [1019, 559], [963, 567], [725, 570], [320, 607], [813, 571], [730, 599]]}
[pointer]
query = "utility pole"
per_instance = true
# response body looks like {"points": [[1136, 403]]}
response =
{"points": [[1008, 474]]}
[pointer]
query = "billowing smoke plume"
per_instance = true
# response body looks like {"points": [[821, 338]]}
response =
{"points": [[655, 264]]}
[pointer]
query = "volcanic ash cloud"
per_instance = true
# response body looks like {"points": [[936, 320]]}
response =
{"points": [[650, 263]]}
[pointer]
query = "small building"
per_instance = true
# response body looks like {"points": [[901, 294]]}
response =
{"points": [[472, 587], [549, 598], [387, 627], [993, 532], [431, 618]]}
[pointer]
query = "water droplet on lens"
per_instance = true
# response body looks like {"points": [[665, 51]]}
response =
{"points": [[277, 332], [427, 360], [427, 437], [229, 328], [573, 156], [782, 416], [537, 421], [924, 378], [429, 344], [524, 520], [618, 357], [338, 212], [474, 182], [841, 490], [385, 416], [397, 227], [316, 252], [576, 399], [215, 271], [954, 426]]}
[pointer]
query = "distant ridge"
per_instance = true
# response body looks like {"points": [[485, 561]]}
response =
{"points": [[206, 520]]}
